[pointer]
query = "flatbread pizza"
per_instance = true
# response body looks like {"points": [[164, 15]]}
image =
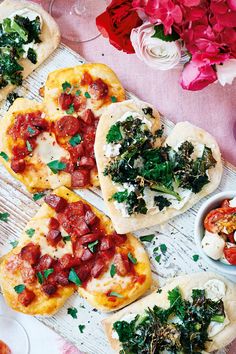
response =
{"points": [[145, 181], [32, 33], [70, 246], [192, 313]]}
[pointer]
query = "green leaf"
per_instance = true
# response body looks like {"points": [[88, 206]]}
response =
{"points": [[75, 140], [71, 109], [31, 131], [91, 246], [159, 33], [14, 243], [195, 257], [158, 258], [87, 95], [39, 275], [163, 248], [19, 288], [78, 93], [73, 277], [113, 270], [56, 166], [4, 156], [47, 272], [120, 197], [147, 238], [4, 217], [81, 328], [113, 99], [218, 318], [65, 85], [38, 196], [114, 134], [174, 296], [66, 238], [32, 55], [72, 311], [29, 147], [30, 232], [115, 294], [132, 258]]}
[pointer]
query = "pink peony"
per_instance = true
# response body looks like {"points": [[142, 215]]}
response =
{"points": [[195, 78]]}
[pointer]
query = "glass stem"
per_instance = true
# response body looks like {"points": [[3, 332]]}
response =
{"points": [[80, 7]]}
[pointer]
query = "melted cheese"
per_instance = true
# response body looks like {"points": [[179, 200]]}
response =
{"points": [[48, 149]]}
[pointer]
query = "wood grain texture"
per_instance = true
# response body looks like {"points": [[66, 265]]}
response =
{"points": [[178, 234]]}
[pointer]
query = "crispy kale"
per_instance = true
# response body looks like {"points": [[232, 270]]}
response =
{"points": [[161, 202]]}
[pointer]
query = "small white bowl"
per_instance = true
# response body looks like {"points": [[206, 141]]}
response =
{"points": [[207, 206]]}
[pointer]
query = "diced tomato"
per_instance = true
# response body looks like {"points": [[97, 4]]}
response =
{"points": [[67, 126], [61, 278], [89, 238], [28, 125], [122, 264], [98, 89], [78, 249], [230, 237], [118, 239], [65, 100], [87, 255], [98, 268], [79, 103], [230, 255], [84, 270], [87, 162], [55, 202], [90, 217], [27, 273], [67, 261], [86, 79], [140, 278], [225, 203], [18, 166], [13, 263], [217, 219], [80, 178], [88, 116], [107, 254], [53, 224], [76, 209], [45, 262], [53, 237], [26, 297], [106, 243], [30, 253], [4, 349], [49, 289], [20, 151], [76, 152]]}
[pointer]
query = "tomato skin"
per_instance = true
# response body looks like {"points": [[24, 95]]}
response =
{"points": [[230, 255], [231, 237], [225, 204], [214, 216]]}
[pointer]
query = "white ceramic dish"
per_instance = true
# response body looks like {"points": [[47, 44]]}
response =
{"points": [[207, 206]]}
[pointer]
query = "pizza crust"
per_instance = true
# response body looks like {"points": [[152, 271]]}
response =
{"points": [[50, 37], [186, 284], [180, 132]]}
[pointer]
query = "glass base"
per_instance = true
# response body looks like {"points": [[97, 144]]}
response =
{"points": [[77, 18], [14, 335]]}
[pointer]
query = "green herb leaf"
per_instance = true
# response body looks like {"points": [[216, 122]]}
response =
{"points": [[32, 55], [71, 109], [195, 257], [4, 217], [113, 270], [92, 246], [78, 93], [31, 131], [4, 156], [29, 147], [75, 140], [120, 197], [114, 134], [147, 238], [218, 318], [73, 277], [132, 258], [66, 238], [38, 196], [30, 232], [161, 202], [72, 311], [163, 248], [159, 33], [56, 166], [87, 95], [174, 296], [113, 99], [81, 328], [159, 291], [39, 275], [158, 258], [47, 272], [65, 85], [115, 294], [19, 288], [14, 243]]}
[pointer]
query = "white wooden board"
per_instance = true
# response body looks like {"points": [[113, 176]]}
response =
{"points": [[177, 234]]}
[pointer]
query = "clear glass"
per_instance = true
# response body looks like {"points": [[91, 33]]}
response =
{"points": [[14, 335], [77, 18]]}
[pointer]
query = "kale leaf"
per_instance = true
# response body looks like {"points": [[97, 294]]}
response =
{"points": [[114, 135], [32, 55]]}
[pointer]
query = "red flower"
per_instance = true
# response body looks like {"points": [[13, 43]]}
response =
{"points": [[195, 78], [117, 22]]}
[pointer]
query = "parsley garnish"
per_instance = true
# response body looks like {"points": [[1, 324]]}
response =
{"points": [[30, 232], [56, 166], [195, 257], [87, 95], [92, 246], [147, 238], [120, 197], [39, 275], [4, 217], [114, 134], [81, 328], [31, 131], [47, 272], [78, 93], [75, 140], [163, 248], [113, 270], [132, 258], [14, 243], [65, 85], [71, 109], [113, 99], [115, 294], [73, 277], [38, 196], [19, 288], [72, 311], [29, 147], [66, 238], [4, 156], [158, 258]]}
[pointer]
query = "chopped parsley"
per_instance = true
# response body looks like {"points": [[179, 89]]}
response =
{"points": [[29, 147], [81, 328], [14, 244], [115, 294], [120, 197], [19, 288], [31, 131], [195, 257], [158, 258], [92, 246], [132, 258], [73, 277], [71, 109], [113, 99], [39, 276], [147, 238], [38, 196], [65, 86], [163, 248], [47, 272], [30, 232], [4, 217], [56, 166], [114, 134], [77, 93], [66, 238], [75, 140], [87, 95], [4, 156], [113, 270], [72, 311]]}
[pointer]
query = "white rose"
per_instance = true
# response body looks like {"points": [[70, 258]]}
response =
{"points": [[226, 72], [155, 52]]}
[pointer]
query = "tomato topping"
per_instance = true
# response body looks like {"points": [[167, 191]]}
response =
{"points": [[49, 289], [79, 103], [88, 116], [219, 219], [76, 152], [27, 273], [53, 237], [86, 79], [45, 262], [89, 238], [98, 89], [80, 178], [26, 297], [225, 203], [65, 100], [20, 152], [106, 243], [87, 162], [84, 270], [230, 255], [53, 224], [118, 239], [98, 268], [68, 261], [61, 278], [55, 202], [30, 253], [67, 126], [18, 166], [87, 255], [90, 218], [28, 125], [122, 264]]}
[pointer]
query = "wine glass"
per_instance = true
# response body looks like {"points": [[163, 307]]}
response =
{"points": [[77, 18], [13, 334]]}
